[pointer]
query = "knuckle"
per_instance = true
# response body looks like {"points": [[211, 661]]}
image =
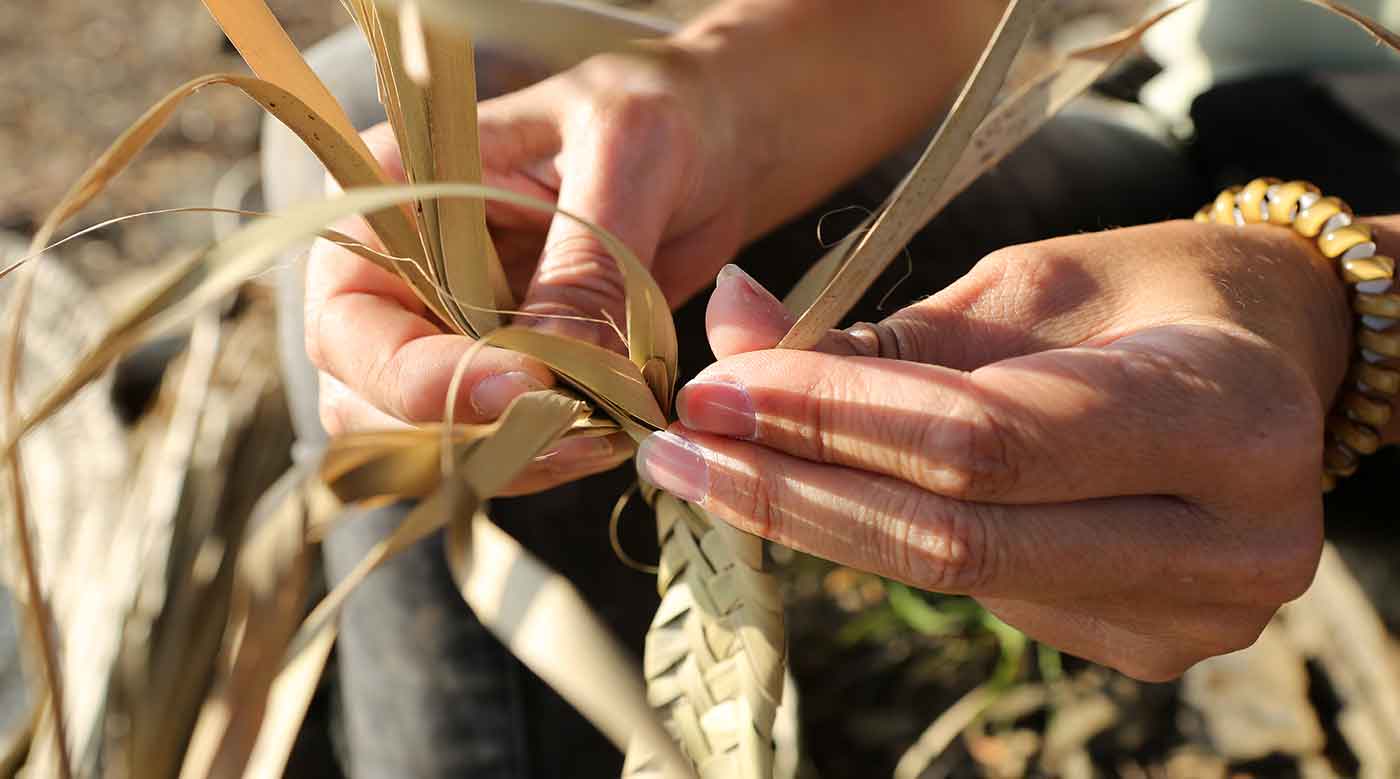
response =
{"points": [[390, 380], [648, 114], [758, 506], [932, 544], [405, 391], [579, 263], [908, 337], [893, 339], [823, 407], [984, 466], [1023, 278]]}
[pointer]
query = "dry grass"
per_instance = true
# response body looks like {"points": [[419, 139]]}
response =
{"points": [[195, 656]]}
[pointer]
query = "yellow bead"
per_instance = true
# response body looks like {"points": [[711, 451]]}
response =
{"points": [[1223, 210], [1386, 305], [1355, 435], [1339, 459], [1382, 380], [1375, 268], [1387, 344], [1337, 242], [1251, 200], [1203, 216], [1285, 201], [1311, 220], [1362, 408], [1329, 482]]}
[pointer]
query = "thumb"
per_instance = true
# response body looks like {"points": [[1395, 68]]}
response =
{"points": [[744, 317], [607, 184]]}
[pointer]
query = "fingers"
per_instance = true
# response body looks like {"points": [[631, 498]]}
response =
{"points": [[945, 329], [520, 143], [610, 176], [366, 329], [571, 460], [403, 365], [743, 316], [342, 411], [982, 318], [387, 362], [1162, 410], [1132, 418], [1114, 547], [884, 525], [1018, 300]]}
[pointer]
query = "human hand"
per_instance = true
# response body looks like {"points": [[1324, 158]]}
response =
{"points": [[1113, 441], [684, 149], [627, 141]]}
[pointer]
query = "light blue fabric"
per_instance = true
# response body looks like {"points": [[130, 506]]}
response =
{"points": [[1215, 41]]}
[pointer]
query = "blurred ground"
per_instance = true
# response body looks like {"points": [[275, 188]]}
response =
{"points": [[78, 72], [878, 665]]}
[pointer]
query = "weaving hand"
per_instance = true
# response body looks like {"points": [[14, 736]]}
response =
{"points": [[1113, 440]]}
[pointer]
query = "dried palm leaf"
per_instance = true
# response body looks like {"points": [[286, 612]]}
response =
{"points": [[869, 250], [716, 651]]}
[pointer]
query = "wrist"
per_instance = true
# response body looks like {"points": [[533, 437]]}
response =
{"points": [[1362, 405]]}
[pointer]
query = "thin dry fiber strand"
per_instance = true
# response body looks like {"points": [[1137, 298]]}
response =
{"points": [[715, 653]]}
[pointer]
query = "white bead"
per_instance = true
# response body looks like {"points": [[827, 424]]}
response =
{"points": [[1360, 251], [1308, 200], [1378, 323], [1338, 221], [1376, 287], [1371, 357], [1364, 387], [1239, 217]]}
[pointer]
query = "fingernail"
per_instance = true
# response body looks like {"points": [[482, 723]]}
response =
{"points": [[733, 274], [675, 465], [718, 407], [493, 394]]}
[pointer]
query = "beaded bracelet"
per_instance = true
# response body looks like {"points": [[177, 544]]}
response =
{"points": [[1366, 402]]}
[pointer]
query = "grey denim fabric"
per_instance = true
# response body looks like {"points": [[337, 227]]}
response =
{"points": [[424, 690]]}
